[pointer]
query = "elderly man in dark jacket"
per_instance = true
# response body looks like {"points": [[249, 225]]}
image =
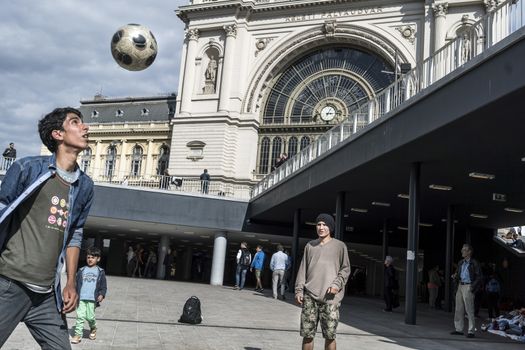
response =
{"points": [[468, 280]]}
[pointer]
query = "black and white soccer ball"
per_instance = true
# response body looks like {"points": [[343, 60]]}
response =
{"points": [[134, 47]]}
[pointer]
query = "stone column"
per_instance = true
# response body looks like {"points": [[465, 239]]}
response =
{"points": [[149, 155], [122, 166], [219, 256], [192, 35], [440, 15], [229, 54], [164, 245], [97, 167], [412, 244]]}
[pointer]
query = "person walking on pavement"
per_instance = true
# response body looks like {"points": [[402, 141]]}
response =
{"points": [[244, 259], [278, 265], [258, 264]]}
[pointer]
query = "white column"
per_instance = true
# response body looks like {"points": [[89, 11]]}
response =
{"points": [[97, 167], [122, 166], [219, 257], [149, 155], [192, 35], [229, 54], [440, 14], [164, 245]]}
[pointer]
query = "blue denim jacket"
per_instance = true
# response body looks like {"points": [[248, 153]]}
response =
{"points": [[22, 179]]}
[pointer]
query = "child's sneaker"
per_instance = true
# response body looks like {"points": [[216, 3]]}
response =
{"points": [[76, 339], [93, 334]]}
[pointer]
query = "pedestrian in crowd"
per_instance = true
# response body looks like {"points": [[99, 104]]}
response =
{"points": [[391, 284], [91, 288], [493, 289], [169, 265], [131, 261], [244, 259], [282, 159], [9, 155], [278, 265], [139, 263], [47, 200], [258, 264], [468, 281], [320, 283], [434, 282], [205, 181], [151, 263]]}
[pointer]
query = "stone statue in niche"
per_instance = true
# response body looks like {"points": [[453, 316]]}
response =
{"points": [[210, 75], [465, 50]]}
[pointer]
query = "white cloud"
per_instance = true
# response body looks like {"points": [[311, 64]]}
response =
{"points": [[56, 52]]}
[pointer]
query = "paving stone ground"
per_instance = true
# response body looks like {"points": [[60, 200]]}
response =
{"points": [[143, 314]]}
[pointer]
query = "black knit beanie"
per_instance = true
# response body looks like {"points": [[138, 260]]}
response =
{"points": [[328, 220]]}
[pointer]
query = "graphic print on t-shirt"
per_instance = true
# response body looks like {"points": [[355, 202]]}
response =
{"points": [[58, 211]]}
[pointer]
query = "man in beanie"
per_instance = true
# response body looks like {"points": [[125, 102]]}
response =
{"points": [[320, 283]]}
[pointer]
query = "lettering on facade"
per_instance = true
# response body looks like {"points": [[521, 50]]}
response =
{"points": [[334, 14]]}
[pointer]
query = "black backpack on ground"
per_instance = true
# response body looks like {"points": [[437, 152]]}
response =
{"points": [[191, 313]]}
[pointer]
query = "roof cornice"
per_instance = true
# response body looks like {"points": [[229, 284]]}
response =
{"points": [[252, 6]]}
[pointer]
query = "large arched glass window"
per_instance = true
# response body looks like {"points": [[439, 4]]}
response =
{"points": [[292, 146], [277, 146], [264, 155], [136, 160], [111, 158], [164, 158], [305, 141], [85, 160], [338, 80]]}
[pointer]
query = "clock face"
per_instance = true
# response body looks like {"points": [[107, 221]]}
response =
{"points": [[327, 113]]}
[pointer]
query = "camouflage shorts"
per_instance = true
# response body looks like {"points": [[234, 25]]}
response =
{"points": [[312, 312]]}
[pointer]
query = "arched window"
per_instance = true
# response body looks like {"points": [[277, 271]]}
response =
{"points": [[164, 157], [85, 159], [292, 146], [305, 141], [263, 155], [136, 160], [111, 158], [277, 146]]}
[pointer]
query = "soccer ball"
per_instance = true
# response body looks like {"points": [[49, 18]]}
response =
{"points": [[134, 47]]}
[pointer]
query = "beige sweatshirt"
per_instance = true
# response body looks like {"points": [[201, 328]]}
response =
{"points": [[323, 266]]}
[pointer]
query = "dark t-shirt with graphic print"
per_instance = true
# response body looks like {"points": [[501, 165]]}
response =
{"points": [[37, 235]]}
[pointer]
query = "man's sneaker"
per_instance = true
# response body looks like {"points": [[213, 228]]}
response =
{"points": [[470, 335], [93, 334], [456, 333], [76, 339], [236, 287]]}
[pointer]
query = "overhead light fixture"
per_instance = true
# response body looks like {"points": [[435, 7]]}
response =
{"points": [[189, 232], [134, 229], [346, 215], [359, 210], [514, 210], [152, 234], [402, 228], [445, 220], [403, 195], [423, 224], [440, 187], [482, 176], [263, 240], [207, 236], [381, 204], [184, 240], [310, 223], [479, 216], [249, 236]]}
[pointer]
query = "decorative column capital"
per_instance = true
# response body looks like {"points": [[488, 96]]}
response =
{"points": [[490, 5], [231, 30], [440, 9], [192, 34]]}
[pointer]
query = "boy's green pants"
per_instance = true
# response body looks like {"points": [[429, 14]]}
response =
{"points": [[85, 312]]}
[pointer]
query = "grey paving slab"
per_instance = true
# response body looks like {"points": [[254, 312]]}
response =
{"points": [[143, 314]]}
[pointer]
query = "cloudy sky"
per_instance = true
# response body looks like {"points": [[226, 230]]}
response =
{"points": [[56, 52]]}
